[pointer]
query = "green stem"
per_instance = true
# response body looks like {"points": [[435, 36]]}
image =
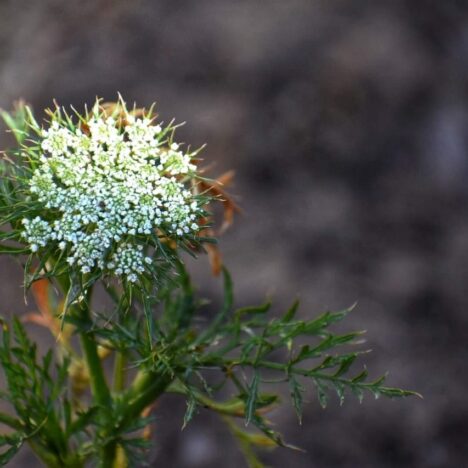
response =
{"points": [[234, 407], [108, 455], [99, 388], [119, 372], [145, 390]]}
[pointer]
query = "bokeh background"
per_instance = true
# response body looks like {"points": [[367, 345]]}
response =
{"points": [[347, 125]]}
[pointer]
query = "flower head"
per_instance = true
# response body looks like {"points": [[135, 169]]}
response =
{"points": [[108, 184]]}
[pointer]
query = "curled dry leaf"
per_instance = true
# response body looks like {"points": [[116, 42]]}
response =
{"points": [[47, 313], [147, 431], [216, 189]]}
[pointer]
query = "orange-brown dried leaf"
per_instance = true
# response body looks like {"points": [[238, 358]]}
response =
{"points": [[216, 189], [147, 431], [41, 290], [215, 259]]}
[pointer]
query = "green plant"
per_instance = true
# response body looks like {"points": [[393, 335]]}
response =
{"points": [[108, 199]]}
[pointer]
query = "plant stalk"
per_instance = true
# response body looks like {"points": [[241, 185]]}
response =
{"points": [[99, 387], [119, 372], [145, 390]]}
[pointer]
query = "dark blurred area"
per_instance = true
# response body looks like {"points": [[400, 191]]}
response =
{"points": [[347, 125]]}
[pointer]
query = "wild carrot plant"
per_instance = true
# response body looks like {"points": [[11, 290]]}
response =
{"points": [[108, 200]]}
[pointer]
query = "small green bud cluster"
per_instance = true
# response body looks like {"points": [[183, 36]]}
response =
{"points": [[105, 185]]}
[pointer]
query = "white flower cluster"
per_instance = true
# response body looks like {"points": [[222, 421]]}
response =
{"points": [[107, 186]]}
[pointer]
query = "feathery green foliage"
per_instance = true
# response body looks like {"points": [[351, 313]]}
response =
{"points": [[238, 364]]}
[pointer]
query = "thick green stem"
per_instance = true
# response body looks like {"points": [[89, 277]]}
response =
{"points": [[119, 372], [108, 455], [99, 387], [145, 390]]}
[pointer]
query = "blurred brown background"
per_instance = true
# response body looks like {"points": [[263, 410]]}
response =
{"points": [[346, 122]]}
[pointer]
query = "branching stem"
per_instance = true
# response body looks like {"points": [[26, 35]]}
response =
{"points": [[99, 387]]}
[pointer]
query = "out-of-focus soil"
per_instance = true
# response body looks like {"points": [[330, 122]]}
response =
{"points": [[347, 125]]}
